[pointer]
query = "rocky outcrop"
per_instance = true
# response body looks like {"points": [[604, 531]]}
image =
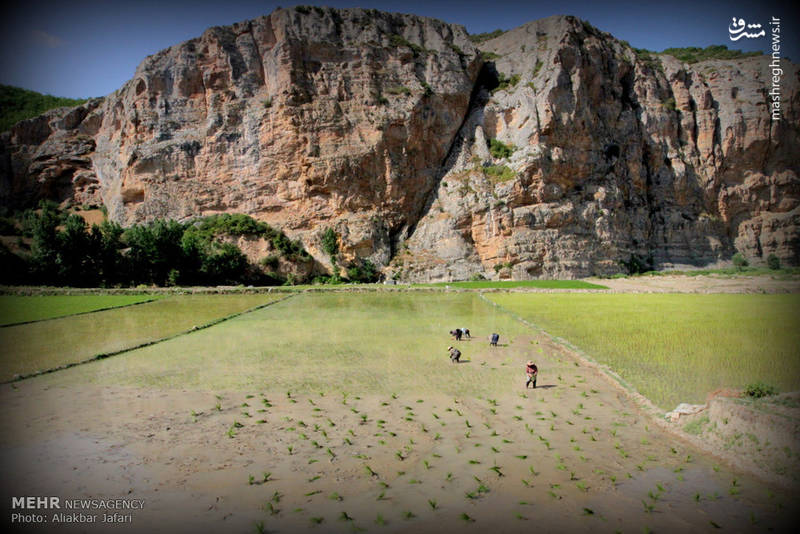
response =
{"points": [[306, 118], [615, 157], [379, 126]]}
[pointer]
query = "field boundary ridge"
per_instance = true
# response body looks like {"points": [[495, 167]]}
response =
{"points": [[647, 407], [107, 308], [104, 355]]}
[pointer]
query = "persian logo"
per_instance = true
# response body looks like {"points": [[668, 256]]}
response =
{"points": [[737, 30]]}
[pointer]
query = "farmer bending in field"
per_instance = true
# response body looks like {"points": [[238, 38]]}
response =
{"points": [[494, 340], [455, 354], [531, 371]]}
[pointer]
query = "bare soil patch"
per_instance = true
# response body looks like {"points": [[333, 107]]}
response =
{"points": [[700, 284]]}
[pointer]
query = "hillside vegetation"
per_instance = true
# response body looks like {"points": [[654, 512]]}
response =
{"points": [[19, 104], [693, 54]]}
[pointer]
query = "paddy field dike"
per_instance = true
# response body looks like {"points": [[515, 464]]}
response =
{"points": [[340, 411]]}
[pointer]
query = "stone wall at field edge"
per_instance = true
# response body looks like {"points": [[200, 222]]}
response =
{"points": [[559, 152]]}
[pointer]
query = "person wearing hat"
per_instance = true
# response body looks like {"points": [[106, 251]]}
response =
{"points": [[531, 371], [455, 354]]}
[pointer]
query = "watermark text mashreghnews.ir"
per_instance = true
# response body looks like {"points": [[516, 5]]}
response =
{"points": [[738, 29], [775, 68]]}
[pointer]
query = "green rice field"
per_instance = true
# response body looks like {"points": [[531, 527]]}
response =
{"points": [[671, 348], [530, 284], [22, 309], [362, 342], [28, 348], [676, 348], [341, 412]]}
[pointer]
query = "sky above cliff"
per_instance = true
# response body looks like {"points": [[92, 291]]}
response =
{"points": [[81, 48]]}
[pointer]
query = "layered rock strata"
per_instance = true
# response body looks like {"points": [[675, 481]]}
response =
{"points": [[557, 153]]}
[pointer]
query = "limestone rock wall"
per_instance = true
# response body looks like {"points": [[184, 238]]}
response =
{"points": [[614, 156], [378, 125]]}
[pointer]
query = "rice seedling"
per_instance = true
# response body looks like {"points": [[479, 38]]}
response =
{"points": [[433, 504], [335, 497], [315, 478], [467, 518], [312, 493], [497, 470], [344, 517], [408, 515], [588, 511]]}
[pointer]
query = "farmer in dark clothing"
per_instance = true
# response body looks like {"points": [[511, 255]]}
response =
{"points": [[495, 339], [531, 371], [455, 354], [456, 334]]}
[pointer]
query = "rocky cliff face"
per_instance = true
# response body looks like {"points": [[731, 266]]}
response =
{"points": [[614, 156], [378, 125]]}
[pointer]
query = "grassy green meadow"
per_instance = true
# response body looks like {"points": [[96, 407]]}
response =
{"points": [[22, 309], [365, 342], [531, 284], [676, 348], [44, 345]]}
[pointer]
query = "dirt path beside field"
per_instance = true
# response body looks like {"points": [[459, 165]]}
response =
{"points": [[571, 456], [700, 284]]}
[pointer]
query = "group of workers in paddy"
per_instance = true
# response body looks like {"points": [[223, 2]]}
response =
{"points": [[531, 371]]}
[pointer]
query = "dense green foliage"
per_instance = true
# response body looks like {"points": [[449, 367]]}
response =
{"points": [[330, 242], [773, 262], [638, 264], [66, 252], [363, 271], [505, 82], [19, 104], [739, 260], [499, 149], [759, 390], [481, 37], [499, 173], [693, 54]]}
